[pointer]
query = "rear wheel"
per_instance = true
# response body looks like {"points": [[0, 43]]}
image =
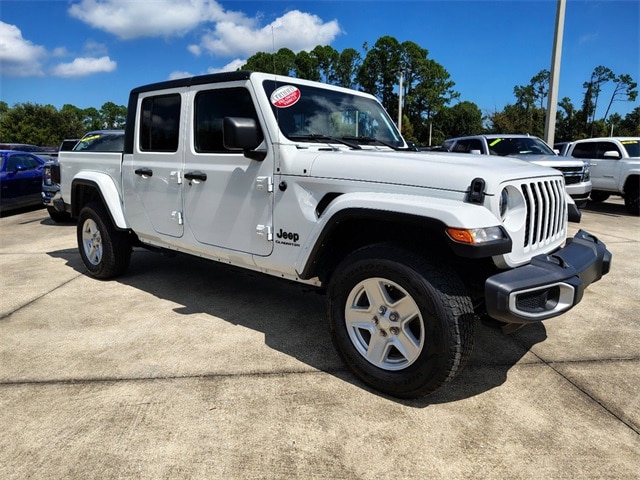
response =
{"points": [[105, 250], [632, 199], [58, 217], [402, 324]]}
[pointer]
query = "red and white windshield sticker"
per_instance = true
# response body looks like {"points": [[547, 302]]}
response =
{"points": [[286, 96]]}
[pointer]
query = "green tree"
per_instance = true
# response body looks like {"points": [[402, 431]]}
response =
{"points": [[630, 126], [464, 118], [112, 115], [346, 68], [378, 74], [326, 58], [260, 62], [624, 87], [306, 66], [32, 123], [599, 77], [91, 119]]}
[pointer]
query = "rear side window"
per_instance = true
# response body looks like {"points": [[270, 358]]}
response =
{"points": [[211, 107], [585, 150], [160, 125]]}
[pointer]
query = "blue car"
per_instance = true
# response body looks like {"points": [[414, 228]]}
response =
{"points": [[20, 179]]}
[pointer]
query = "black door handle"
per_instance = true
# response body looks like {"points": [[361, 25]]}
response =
{"points": [[196, 176], [147, 172]]}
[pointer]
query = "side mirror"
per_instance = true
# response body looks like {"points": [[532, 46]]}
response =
{"points": [[242, 134], [611, 154], [476, 152]]}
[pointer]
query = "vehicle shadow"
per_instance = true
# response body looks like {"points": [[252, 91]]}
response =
{"points": [[612, 207], [292, 318]]}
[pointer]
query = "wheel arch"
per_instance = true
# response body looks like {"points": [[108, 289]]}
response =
{"points": [[354, 228], [96, 186]]}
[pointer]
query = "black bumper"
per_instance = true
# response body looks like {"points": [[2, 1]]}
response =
{"points": [[550, 285]]}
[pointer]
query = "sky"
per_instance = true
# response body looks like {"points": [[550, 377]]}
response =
{"points": [[89, 52]]}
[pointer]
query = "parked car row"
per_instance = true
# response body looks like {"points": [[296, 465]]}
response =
{"points": [[532, 149], [20, 179], [615, 167]]}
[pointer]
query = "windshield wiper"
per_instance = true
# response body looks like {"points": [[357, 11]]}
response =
{"points": [[325, 138], [368, 140]]}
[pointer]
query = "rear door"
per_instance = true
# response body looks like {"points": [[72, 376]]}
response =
{"points": [[152, 188]]}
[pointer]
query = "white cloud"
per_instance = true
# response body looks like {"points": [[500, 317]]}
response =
{"points": [[161, 18], [295, 30], [177, 75], [19, 57], [229, 67], [230, 33], [232, 66], [82, 67]]}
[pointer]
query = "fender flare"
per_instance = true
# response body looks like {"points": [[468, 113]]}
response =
{"points": [[108, 190], [437, 211]]}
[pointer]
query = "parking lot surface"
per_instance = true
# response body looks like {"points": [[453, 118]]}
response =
{"points": [[184, 368]]}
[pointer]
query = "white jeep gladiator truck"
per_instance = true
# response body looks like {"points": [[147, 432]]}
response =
{"points": [[313, 183], [615, 168]]}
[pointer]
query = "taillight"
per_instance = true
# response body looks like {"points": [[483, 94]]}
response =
{"points": [[46, 176]]}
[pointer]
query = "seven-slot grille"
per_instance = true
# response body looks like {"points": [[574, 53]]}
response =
{"points": [[546, 211]]}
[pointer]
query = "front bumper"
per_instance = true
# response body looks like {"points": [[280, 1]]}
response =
{"points": [[550, 285]]}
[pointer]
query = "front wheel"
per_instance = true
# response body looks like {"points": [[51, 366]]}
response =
{"points": [[598, 196], [402, 324], [105, 251]]}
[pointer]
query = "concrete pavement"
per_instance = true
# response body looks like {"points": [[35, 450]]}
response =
{"points": [[188, 369]]}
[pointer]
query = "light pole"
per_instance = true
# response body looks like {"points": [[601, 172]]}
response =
{"points": [[401, 72], [552, 101]]}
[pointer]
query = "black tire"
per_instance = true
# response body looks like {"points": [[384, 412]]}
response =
{"points": [[105, 251], [598, 196], [58, 217], [431, 337], [632, 199]]}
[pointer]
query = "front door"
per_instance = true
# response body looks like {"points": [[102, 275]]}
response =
{"points": [[228, 199]]}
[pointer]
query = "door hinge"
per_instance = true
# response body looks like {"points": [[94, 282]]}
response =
{"points": [[177, 216], [264, 184], [265, 231]]}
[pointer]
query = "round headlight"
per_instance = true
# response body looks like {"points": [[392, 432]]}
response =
{"points": [[504, 202]]}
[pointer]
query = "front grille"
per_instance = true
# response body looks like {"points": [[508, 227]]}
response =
{"points": [[546, 211], [572, 175]]}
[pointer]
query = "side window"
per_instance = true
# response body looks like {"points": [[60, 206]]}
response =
{"points": [[22, 160], [585, 150], [462, 146], [607, 147], [160, 125], [211, 107]]}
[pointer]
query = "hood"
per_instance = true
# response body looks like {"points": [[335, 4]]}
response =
{"points": [[423, 169], [553, 161]]}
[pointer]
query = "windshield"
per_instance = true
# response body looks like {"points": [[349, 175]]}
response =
{"points": [[102, 142], [518, 146], [323, 115], [632, 147]]}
